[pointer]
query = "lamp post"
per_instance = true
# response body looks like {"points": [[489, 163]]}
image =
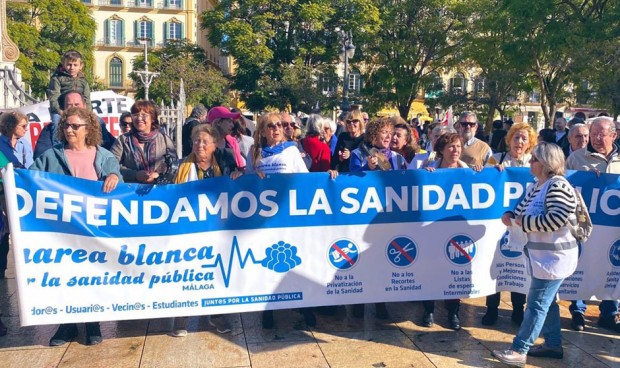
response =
{"points": [[346, 51], [146, 77]]}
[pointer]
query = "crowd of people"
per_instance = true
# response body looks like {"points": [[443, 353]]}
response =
{"points": [[221, 142]]}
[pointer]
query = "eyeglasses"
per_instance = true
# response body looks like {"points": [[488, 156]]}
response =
{"points": [[534, 159], [276, 125], [74, 126], [600, 135], [387, 132], [354, 121], [464, 124], [199, 142], [286, 124], [142, 116]]}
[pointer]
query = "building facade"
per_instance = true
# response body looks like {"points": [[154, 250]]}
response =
{"points": [[124, 26]]}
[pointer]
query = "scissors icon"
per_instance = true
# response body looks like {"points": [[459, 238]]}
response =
{"points": [[398, 253]]}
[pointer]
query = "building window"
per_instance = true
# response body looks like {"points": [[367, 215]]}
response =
{"points": [[143, 3], [457, 84], [328, 85], [114, 33], [480, 87], [435, 89], [354, 81], [116, 72], [173, 30], [174, 4], [144, 29], [87, 1], [533, 97], [115, 2]]}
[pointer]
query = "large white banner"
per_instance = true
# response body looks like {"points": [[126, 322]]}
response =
{"points": [[106, 104], [287, 241]]}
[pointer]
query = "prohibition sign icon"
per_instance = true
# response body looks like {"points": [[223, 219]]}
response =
{"points": [[401, 251]]}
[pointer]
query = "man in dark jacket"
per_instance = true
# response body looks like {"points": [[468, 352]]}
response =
{"points": [[47, 138]]}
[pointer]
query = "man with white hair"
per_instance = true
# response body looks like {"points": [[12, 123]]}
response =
{"points": [[600, 156], [578, 137], [475, 152]]}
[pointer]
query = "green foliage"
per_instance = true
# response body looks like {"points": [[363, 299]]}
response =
{"points": [[43, 30], [278, 44], [182, 59]]}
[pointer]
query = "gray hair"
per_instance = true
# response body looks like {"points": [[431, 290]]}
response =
{"points": [[443, 129], [603, 120], [465, 114], [573, 130], [198, 111], [315, 124], [551, 157]]}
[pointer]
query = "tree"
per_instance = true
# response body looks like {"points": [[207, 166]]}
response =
{"points": [[44, 30], [203, 83], [487, 47], [273, 40], [417, 39]]}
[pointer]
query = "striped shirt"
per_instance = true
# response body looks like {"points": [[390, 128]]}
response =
{"points": [[560, 203]]}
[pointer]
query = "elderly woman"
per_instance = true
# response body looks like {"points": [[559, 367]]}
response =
{"points": [[404, 141], [329, 135], [375, 153], [315, 148], [448, 148], [205, 161], [348, 141], [271, 152], [142, 152], [80, 154], [520, 139], [551, 251], [13, 146]]}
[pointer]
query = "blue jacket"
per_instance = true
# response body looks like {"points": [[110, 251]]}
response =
{"points": [[55, 161]]}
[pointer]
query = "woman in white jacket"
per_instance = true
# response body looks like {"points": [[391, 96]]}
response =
{"points": [[551, 251]]}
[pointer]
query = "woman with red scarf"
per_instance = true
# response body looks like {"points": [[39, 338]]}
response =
{"points": [[142, 152]]}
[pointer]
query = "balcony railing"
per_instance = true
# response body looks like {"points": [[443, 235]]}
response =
{"points": [[112, 43], [133, 4]]}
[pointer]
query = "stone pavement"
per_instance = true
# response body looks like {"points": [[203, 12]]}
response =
{"points": [[336, 341]]}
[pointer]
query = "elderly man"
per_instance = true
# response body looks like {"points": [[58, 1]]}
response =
{"points": [[47, 138], [578, 137], [561, 134], [197, 117], [600, 156], [289, 126], [475, 152]]}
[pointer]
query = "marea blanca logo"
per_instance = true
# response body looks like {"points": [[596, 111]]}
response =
{"points": [[281, 257], [461, 249]]}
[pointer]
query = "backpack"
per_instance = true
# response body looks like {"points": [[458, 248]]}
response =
{"points": [[580, 225]]}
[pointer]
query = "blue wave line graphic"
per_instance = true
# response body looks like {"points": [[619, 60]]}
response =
{"points": [[234, 250]]}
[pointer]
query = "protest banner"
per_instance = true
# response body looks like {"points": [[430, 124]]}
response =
{"points": [[287, 241], [106, 104]]}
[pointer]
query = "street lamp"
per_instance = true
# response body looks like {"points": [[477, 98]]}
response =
{"points": [[146, 77], [346, 51]]}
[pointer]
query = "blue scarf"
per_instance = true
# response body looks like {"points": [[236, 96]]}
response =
{"points": [[277, 149]]}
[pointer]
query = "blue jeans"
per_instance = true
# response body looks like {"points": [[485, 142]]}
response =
{"points": [[608, 308], [542, 315]]}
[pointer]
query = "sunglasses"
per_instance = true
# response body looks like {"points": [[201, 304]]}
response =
{"points": [[354, 121], [74, 126], [471, 125], [124, 124], [286, 124], [276, 125]]}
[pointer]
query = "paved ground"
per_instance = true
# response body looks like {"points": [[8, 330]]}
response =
{"points": [[337, 341]]}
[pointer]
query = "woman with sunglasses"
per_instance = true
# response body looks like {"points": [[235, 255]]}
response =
{"points": [[142, 152], [271, 152], [348, 141], [80, 154], [125, 122]]}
